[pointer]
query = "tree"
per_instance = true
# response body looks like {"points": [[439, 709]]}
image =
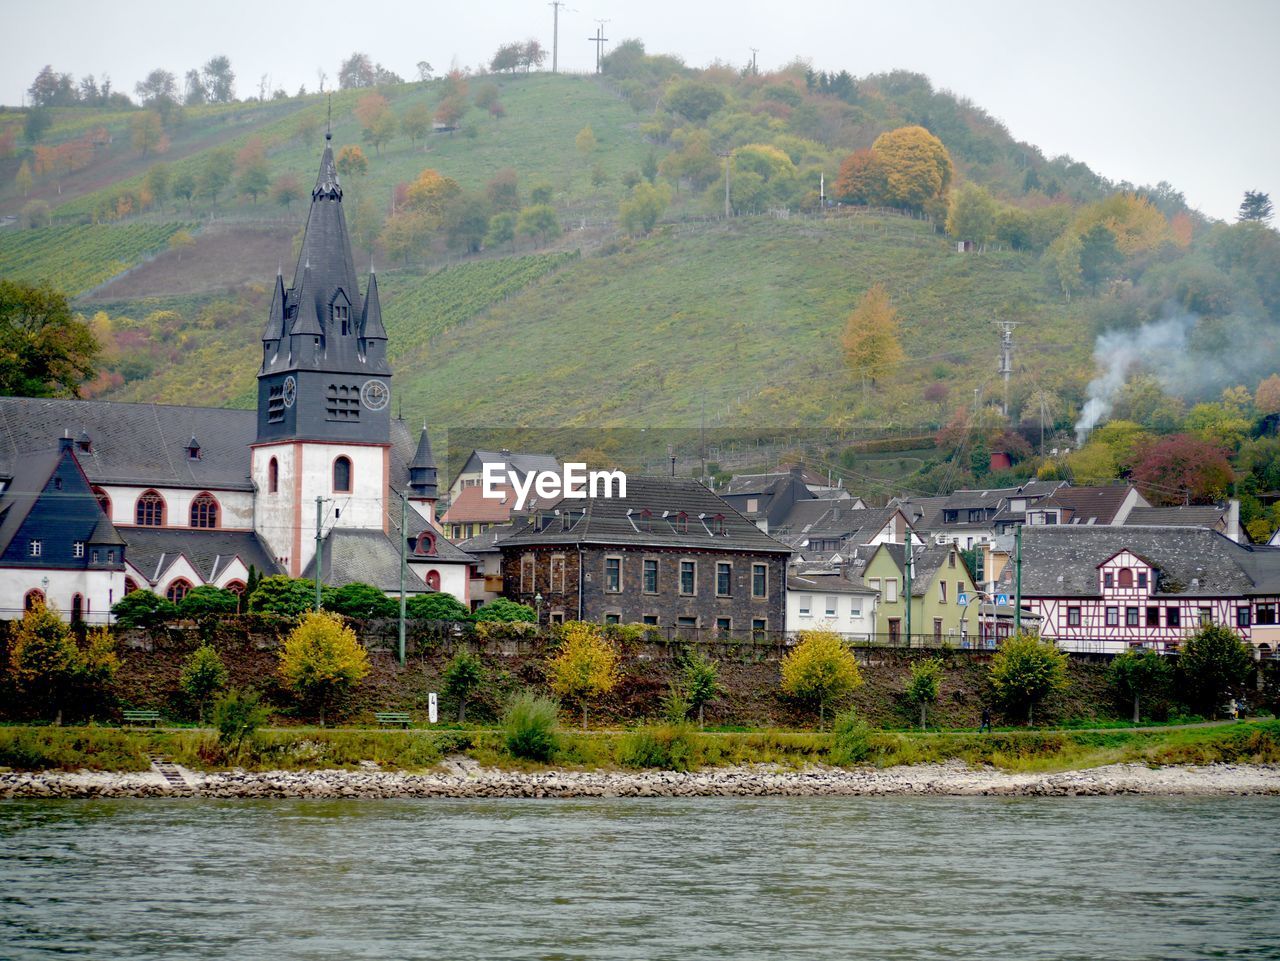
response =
{"points": [[23, 179], [694, 100], [532, 54], [1267, 397], [922, 686], [1099, 255], [1212, 663], [501, 230], [159, 86], [207, 600], [37, 124], [286, 190], [538, 221], [216, 174], [184, 186], [424, 71], [972, 215], [1181, 468], [287, 596], [436, 606], [503, 190], [917, 168], [363, 601], [466, 222], [487, 95], [351, 161], [322, 660], [194, 92], [376, 120], [1255, 206], [1025, 671], [819, 670], [501, 609], [45, 350], [694, 161], [639, 212], [450, 111], [146, 133], [203, 675], [861, 179], [254, 177], [462, 677], [585, 667], [416, 122], [237, 715], [142, 608], [1138, 673], [220, 80], [43, 660], [506, 59], [356, 71], [52, 89], [701, 677], [157, 181], [585, 141], [870, 338]]}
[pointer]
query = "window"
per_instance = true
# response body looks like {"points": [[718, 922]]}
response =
{"points": [[342, 475], [433, 580], [681, 523], [975, 516], [724, 580], [649, 620], [342, 318], [178, 590], [130, 585], [724, 624], [275, 404], [34, 548], [1242, 617], [959, 589], [759, 624], [1142, 579], [1266, 614], [526, 574], [425, 544], [753, 505], [1173, 617], [855, 607], [874, 584], [1153, 617], [650, 575], [688, 577], [1113, 617], [805, 603], [149, 511], [1108, 579], [759, 580], [891, 590], [557, 573], [95, 556], [690, 623], [1131, 616], [103, 500], [1051, 517], [613, 574], [833, 606], [235, 587], [204, 511], [613, 618], [1126, 577], [57, 484], [942, 592], [555, 617], [937, 629], [1073, 617], [950, 517], [77, 549], [951, 559], [1206, 616], [273, 477], [32, 600], [342, 402]]}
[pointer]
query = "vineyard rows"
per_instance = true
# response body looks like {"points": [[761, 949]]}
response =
{"points": [[423, 307], [76, 259]]}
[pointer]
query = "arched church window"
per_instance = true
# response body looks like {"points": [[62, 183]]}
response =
{"points": [[1126, 577], [425, 545], [342, 475], [433, 580], [273, 476], [178, 590], [204, 510], [103, 500], [34, 599], [149, 511]]}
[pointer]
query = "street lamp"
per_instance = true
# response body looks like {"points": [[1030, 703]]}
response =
{"points": [[537, 604], [975, 595]]}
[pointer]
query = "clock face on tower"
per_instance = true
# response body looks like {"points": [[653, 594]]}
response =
{"points": [[375, 395], [290, 391]]}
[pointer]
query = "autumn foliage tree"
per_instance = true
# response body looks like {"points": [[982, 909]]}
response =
{"points": [[322, 660], [585, 667], [861, 179], [45, 349], [870, 339], [917, 169], [819, 670], [376, 120], [1181, 467], [351, 161]]}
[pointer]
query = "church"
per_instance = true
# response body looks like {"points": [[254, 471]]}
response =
{"points": [[99, 498]]}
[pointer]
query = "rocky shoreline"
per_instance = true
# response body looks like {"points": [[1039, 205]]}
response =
{"points": [[462, 778]]}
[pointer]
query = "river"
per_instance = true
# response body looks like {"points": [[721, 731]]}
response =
{"points": [[885, 878]]}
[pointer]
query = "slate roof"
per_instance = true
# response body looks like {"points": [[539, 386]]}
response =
{"points": [[521, 463], [925, 562], [828, 583], [367, 557], [1062, 561], [489, 542], [1096, 505], [923, 513], [853, 525], [153, 550], [1208, 515], [20, 496], [767, 482], [446, 551], [605, 521], [472, 506], [964, 499], [136, 444]]}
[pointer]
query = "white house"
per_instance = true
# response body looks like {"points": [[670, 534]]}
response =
{"points": [[829, 601]]}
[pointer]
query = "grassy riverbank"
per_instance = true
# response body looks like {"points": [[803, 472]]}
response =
{"points": [[676, 748]]}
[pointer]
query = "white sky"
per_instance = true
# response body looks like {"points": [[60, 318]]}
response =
{"points": [[1141, 90]]}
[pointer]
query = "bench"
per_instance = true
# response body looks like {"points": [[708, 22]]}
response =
{"points": [[400, 718], [141, 717]]}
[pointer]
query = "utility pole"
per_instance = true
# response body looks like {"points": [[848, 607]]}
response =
{"points": [[404, 539], [728, 156], [1017, 578], [555, 5], [319, 541], [906, 589], [702, 437], [599, 40], [754, 71], [1006, 357]]}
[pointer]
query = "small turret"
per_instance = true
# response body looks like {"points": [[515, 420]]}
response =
{"points": [[373, 335], [274, 333], [422, 470]]}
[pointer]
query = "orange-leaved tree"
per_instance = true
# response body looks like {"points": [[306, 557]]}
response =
{"points": [[870, 338]]}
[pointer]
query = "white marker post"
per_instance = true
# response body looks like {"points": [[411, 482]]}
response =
{"points": [[433, 712]]}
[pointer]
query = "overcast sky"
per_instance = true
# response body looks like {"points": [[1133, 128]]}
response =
{"points": [[1141, 90]]}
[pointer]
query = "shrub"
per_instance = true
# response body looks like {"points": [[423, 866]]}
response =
{"points": [[701, 676], [203, 675], [585, 667], [1213, 662], [287, 596], [1138, 673], [675, 704], [529, 727], [436, 607], [362, 601], [322, 660], [922, 688], [1025, 671], [852, 742], [819, 670], [463, 675], [142, 608], [501, 609], [237, 715], [672, 747], [207, 600]]}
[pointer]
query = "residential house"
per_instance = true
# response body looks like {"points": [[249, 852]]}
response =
{"points": [[832, 532], [1223, 518], [1107, 504], [471, 513], [826, 599], [767, 499], [1104, 589], [508, 462], [670, 554], [940, 582], [970, 518], [486, 571]]}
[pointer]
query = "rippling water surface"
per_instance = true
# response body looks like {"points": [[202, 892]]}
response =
{"points": [[1095, 878]]}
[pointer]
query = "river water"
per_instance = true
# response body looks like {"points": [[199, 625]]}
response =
{"points": [[1096, 878]]}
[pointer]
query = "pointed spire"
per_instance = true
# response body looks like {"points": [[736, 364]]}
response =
{"points": [[275, 317], [306, 321], [371, 322], [422, 469]]}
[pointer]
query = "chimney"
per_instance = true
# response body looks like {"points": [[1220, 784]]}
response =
{"points": [[65, 443]]}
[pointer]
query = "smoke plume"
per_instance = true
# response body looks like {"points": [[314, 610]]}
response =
{"points": [[1116, 352]]}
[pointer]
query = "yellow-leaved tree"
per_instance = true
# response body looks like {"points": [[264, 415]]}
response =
{"points": [[820, 670], [916, 168], [585, 667], [322, 661], [870, 338]]}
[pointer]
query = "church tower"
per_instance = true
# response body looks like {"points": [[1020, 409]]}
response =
{"points": [[324, 392]]}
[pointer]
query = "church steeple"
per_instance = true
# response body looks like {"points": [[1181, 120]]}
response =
{"points": [[324, 371]]}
